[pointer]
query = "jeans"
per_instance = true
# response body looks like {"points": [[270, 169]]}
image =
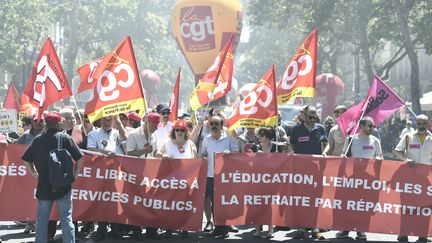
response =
{"points": [[64, 205]]}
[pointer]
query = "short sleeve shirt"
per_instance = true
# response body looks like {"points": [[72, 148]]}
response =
{"points": [[137, 140], [104, 140], [367, 148], [415, 150], [308, 142]]}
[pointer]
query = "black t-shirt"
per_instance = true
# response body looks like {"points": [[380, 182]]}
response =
{"points": [[38, 153], [257, 147]]}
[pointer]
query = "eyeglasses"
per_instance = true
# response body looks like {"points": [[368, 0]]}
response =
{"points": [[179, 130], [371, 126], [213, 124], [311, 117], [165, 113], [421, 124]]}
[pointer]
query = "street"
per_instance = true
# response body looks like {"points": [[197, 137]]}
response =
{"points": [[11, 232]]}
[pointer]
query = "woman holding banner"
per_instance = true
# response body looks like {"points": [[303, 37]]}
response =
{"points": [[265, 137], [179, 146]]}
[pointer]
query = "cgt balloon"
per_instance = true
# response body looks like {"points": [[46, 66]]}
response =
{"points": [[202, 27]]}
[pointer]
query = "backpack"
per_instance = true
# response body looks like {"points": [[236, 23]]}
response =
{"points": [[60, 166]]}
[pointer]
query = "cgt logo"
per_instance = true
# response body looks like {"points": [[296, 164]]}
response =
{"points": [[197, 28]]}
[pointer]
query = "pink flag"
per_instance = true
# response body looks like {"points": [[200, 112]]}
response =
{"points": [[379, 104]]}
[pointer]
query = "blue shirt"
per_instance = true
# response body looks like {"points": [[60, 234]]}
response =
{"points": [[305, 142]]}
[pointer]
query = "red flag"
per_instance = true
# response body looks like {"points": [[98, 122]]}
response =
{"points": [[174, 101], [12, 99], [216, 82], [86, 73], [47, 82], [298, 79], [118, 89], [379, 104], [259, 108]]}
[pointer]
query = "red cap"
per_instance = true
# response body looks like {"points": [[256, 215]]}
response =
{"points": [[134, 116], [153, 118], [180, 124], [53, 117]]}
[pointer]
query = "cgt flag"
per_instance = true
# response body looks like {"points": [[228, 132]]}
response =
{"points": [[47, 82], [259, 108], [86, 73], [379, 104], [118, 89], [12, 99], [216, 82], [174, 100], [298, 79]]}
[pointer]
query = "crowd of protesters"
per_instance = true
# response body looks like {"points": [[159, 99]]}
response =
{"points": [[154, 136]]}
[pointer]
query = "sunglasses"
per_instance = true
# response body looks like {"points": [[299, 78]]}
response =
{"points": [[179, 130], [213, 124], [311, 117], [421, 124], [371, 126], [337, 112], [165, 113]]}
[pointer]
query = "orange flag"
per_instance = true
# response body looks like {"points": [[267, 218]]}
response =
{"points": [[86, 73], [259, 108], [216, 82], [12, 99], [118, 89], [174, 101], [47, 82], [298, 79]]}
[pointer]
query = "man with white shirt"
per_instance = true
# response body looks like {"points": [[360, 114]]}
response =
{"points": [[362, 145], [164, 127], [416, 147], [140, 142]]}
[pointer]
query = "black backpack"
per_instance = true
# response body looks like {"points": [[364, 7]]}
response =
{"points": [[60, 166]]}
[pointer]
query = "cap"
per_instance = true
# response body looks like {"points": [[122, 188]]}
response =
{"points": [[134, 116], [53, 117], [35, 117], [161, 107], [180, 124], [153, 118]]}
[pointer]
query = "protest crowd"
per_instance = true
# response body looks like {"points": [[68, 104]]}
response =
{"points": [[161, 133]]}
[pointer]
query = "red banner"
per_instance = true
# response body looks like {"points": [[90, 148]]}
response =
{"points": [[47, 82], [12, 99], [299, 78], [174, 100], [118, 88], [259, 107], [329, 193], [154, 193]]}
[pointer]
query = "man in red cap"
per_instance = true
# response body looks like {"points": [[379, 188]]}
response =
{"points": [[134, 119], [36, 159], [141, 143]]}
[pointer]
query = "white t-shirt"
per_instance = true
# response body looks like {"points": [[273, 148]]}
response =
{"points": [[415, 150], [367, 148], [172, 150]]}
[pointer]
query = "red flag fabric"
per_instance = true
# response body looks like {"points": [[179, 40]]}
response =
{"points": [[118, 89], [379, 104], [174, 100], [86, 73], [216, 82], [298, 79], [12, 99], [47, 82], [259, 108]]}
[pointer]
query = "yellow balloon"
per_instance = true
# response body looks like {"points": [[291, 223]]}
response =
{"points": [[202, 27]]}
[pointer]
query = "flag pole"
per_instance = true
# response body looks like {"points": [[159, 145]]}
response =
{"points": [[355, 130], [79, 113]]}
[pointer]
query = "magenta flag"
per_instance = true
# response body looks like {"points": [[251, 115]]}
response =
{"points": [[379, 104]]}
